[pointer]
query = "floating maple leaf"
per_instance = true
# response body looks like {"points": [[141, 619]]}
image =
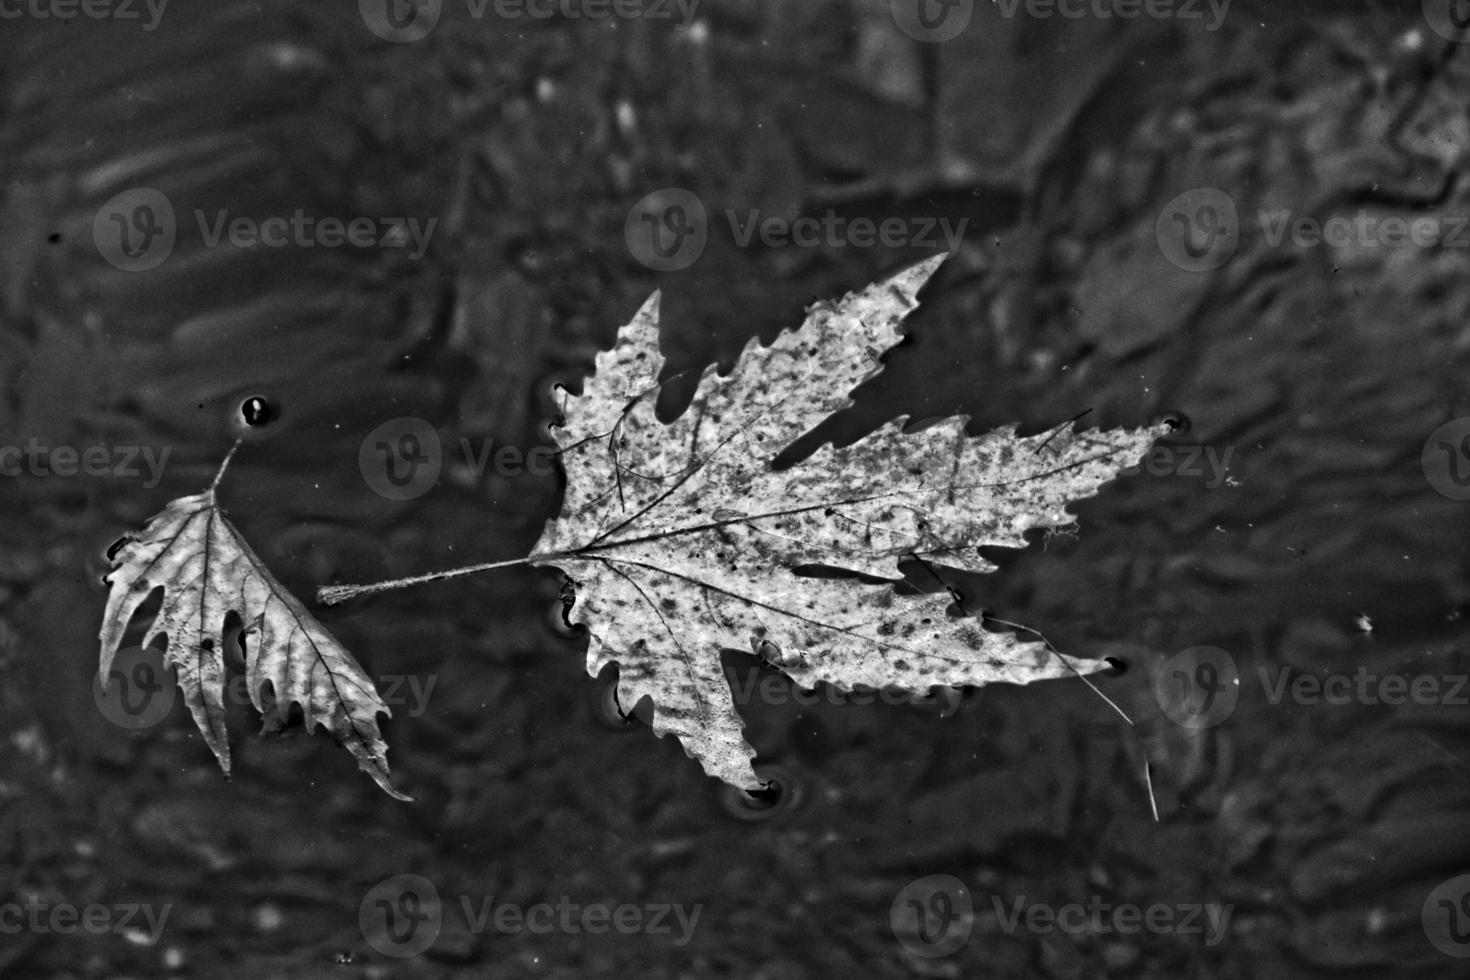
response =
{"points": [[207, 571], [681, 539]]}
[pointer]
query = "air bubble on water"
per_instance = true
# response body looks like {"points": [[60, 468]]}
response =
{"points": [[256, 411], [1176, 420], [781, 791], [255, 414]]}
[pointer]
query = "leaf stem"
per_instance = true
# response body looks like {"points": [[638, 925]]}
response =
{"points": [[333, 594], [223, 466], [330, 595], [1148, 779]]}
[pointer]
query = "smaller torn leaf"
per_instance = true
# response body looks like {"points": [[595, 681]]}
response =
{"points": [[207, 571], [681, 540]]}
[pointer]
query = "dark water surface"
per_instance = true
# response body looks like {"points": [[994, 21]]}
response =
{"points": [[1284, 582]]}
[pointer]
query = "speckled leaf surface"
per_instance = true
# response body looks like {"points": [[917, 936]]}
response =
{"points": [[681, 540], [207, 571]]}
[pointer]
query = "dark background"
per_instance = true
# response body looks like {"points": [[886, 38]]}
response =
{"points": [[1322, 371]]}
